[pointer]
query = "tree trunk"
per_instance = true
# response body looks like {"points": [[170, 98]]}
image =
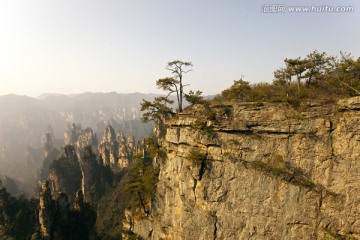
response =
{"points": [[181, 94]]}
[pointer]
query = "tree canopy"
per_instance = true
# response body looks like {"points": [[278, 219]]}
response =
{"points": [[159, 108], [156, 110], [315, 76], [175, 83]]}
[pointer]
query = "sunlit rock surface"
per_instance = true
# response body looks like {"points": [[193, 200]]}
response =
{"points": [[266, 171]]}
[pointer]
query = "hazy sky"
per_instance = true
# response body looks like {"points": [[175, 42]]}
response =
{"points": [[74, 46]]}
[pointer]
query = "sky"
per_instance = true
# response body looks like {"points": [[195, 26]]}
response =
{"points": [[76, 46]]}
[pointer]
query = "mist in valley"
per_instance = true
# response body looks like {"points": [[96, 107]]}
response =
{"points": [[25, 122]]}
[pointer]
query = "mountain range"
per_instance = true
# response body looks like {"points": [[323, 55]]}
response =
{"points": [[24, 122]]}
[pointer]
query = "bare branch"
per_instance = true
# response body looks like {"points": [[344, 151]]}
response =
{"points": [[358, 92], [169, 94]]}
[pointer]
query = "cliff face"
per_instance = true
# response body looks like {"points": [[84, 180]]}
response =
{"points": [[46, 210], [59, 220], [65, 174], [50, 153], [88, 166], [96, 178], [114, 150], [258, 171]]}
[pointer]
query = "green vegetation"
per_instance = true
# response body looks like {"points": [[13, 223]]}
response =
{"points": [[205, 126], [233, 156], [132, 236], [74, 224], [317, 76], [134, 192], [17, 219], [175, 84], [196, 155], [198, 159], [67, 168], [275, 164], [158, 109], [200, 124], [154, 148], [194, 97], [140, 184], [239, 90]]}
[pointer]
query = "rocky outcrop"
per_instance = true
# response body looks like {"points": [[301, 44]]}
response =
{"points": [[91, 180], [50, 154], [79, 137], [59, 220], [96, 178], [258, 171], [123, 158], [109, 148], [86, 165], [114, 150], [131, 145], [49, 142], [72, 134], [87, 138], [46, 210], [79, 201], [65, 174]]}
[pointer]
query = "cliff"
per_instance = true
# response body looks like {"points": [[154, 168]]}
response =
{"points": [[114, 149], [59, 220], [87, 165], [65, 174], [96, 178], [258, 171]]}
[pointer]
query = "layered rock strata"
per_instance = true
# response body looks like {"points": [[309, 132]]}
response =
{"points": [[258, 171]]}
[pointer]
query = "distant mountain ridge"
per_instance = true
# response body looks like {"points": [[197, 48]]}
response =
{"points": [[46, 95]]}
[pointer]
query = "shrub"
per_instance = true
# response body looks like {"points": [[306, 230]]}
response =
{"points": [[196, 155], [139, 184]]}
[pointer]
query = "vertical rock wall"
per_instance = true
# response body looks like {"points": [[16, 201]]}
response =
{"points": [[259, 171]]}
